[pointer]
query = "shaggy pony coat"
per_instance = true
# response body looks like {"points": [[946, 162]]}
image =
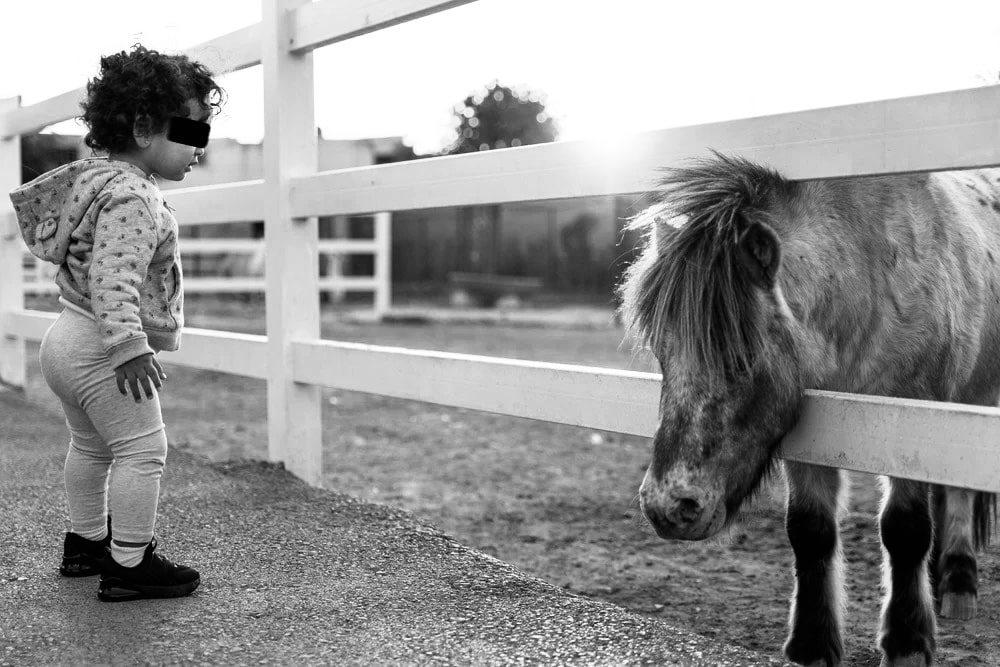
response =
{"points": [[752, 288]]}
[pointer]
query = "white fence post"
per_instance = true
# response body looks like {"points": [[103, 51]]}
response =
{"points": [[341, 230], [291, 251], [383, 263], [12, 357]]}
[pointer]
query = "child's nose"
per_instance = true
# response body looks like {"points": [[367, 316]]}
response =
{"points": [[198, 152]]}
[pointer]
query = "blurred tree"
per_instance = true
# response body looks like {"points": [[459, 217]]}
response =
{"points": [[494, 117], [500, 117]]}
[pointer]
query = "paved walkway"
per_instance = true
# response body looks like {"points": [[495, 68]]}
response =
{"points": [[291, 575]]}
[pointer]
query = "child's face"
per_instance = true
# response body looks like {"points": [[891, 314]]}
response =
{"points": [[172, 160]]}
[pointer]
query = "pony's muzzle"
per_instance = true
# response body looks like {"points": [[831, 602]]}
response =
{"points": [[680, 510]]}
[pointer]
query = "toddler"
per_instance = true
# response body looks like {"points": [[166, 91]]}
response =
{"points": [[104, 222]]}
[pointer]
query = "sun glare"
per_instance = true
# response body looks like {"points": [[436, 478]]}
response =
{"points": [[604, 142]]}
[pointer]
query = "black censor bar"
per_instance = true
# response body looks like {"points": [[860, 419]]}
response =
{"points": [[188, 132]]}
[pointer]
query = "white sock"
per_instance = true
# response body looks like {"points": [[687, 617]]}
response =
{"points": [[94, 535], [127, 556]]}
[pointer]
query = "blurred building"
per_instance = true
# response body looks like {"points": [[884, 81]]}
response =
{"points": [[573, 245], [43, 152]]}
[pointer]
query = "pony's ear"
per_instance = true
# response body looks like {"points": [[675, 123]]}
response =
{"points": [[759, 252], [664, 231]]}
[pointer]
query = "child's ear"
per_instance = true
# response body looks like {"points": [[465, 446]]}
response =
{"points": [[759, 252], [142, 129]]}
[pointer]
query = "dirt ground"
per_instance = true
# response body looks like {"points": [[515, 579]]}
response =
{"points": [[557, 501]]}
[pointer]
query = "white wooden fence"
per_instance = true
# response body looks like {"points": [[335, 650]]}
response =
{"points": [[946, 443]]}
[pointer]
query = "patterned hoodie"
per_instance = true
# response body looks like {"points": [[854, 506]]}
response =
{"points": [[105, 224]]}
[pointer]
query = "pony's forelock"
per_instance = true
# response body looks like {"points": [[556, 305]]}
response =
{"points": [[686, 280]]}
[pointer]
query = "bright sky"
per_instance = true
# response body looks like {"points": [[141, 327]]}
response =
{"points": [[605, 67]]}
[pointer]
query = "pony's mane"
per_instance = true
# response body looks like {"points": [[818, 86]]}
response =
{"points": [[687, 279]]}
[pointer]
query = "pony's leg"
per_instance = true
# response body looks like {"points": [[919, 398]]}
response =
{"points": [[955, 561], [811, 520], [908, 627]]}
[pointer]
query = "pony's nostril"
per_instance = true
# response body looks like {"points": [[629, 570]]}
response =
{"points": [[687, 510]]}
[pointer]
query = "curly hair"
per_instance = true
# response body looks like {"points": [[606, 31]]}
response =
{"points": [[142, 89]]}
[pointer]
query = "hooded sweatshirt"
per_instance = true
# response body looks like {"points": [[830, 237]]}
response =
{"points": [[105, 224]]}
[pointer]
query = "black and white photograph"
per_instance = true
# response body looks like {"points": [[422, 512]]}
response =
{"points": [[500, 332]]}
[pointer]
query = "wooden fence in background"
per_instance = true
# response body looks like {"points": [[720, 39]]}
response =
{"points": [[945, 443], [39, 275]]}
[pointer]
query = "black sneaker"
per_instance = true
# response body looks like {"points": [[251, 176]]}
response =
{"points": [[154, 577], [82, 557]]}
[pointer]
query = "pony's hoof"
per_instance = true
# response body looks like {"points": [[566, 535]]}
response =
{"points": [[960, 606], [914, 660], [795, 654]]}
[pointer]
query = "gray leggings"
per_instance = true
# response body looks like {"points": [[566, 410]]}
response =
{"points": [[108, 431]]}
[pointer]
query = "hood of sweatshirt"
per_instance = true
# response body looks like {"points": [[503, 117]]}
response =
{"points": [[51, 207]]}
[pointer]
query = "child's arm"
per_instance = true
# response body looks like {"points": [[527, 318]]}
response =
{"points": [[125, 238]]}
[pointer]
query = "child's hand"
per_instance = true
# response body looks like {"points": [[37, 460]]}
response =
{"points": [[139, 371]]}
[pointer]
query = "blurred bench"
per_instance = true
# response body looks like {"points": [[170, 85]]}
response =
{"points": [[488, 290]]}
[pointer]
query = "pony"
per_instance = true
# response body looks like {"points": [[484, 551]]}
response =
{"points": [[751, 288]]}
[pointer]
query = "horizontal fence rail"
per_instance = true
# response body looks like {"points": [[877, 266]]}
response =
{"points": [[237, 285], [937, 442], [318, 24], [224, 351], [216, 204], [243, 246], [934, 442], [231, 52], [954, 130]]}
